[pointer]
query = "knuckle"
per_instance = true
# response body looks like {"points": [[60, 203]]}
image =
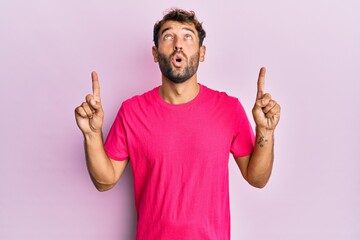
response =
{"points": [[269, 115], [84, 104], [267, 95], [264, 102], [88, 97], [79, 109]]}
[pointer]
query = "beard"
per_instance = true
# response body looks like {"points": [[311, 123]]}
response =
{"points": [[178, 75]]}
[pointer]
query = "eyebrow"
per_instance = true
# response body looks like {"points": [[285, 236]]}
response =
{"points": [[184, 28]]}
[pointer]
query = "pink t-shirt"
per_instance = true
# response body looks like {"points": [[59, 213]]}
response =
{"points": [[179, 156]]}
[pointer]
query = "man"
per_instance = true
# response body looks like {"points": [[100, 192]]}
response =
{"points": [[178, 137]]}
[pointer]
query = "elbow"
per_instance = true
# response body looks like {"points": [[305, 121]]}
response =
{"points": [[103, 187], [258, 181], [258, 184], [258, 178]]}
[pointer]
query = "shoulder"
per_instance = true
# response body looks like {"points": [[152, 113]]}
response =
{"points": [[219, 96], [226, 103], [137, 105], [141, 100]]}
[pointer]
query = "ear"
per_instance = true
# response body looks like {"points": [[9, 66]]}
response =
{"points": [[202, 53], [155, 54]]}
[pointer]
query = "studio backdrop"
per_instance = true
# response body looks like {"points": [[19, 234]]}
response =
{"points": [[49, 48]]}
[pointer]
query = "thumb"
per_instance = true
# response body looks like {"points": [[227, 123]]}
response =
{"points": [[95, 105]]}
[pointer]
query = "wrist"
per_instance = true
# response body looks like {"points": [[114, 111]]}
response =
{"points": [[263, 131], [264, 136], [93, 136]]}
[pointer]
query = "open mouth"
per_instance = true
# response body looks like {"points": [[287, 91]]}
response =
{"points": [[177, 60]]}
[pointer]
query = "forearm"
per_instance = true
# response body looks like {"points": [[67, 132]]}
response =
{"points": [[261, 161], [98, 163]]}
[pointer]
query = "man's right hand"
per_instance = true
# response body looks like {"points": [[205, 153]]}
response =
{"points": [[89, 115]]}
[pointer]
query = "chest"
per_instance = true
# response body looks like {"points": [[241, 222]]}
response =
{"points": [[190, 136]]}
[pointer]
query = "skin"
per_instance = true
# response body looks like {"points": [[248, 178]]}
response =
{"points": [[178, 39], [104, 172], [256, 168]]}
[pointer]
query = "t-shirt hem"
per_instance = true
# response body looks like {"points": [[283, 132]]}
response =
{"points": [[115, 157], [243, 154]]}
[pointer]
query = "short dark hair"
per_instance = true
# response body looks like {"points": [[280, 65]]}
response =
{"points": [[183, 16]]}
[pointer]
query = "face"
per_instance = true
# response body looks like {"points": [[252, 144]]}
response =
{"points": [[178, 52]]}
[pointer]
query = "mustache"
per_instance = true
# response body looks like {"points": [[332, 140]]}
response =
{"points": [[178, 52]]}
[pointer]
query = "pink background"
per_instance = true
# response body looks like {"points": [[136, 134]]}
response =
{"points": [[310, 48]]}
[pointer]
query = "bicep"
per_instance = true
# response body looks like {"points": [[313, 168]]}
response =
{"points": [[243, 163]]}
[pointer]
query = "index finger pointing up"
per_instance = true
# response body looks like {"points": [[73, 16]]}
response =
{"points": [[260, 83], [95, 86]]}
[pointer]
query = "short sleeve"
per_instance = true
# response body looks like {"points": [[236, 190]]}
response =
{"points": [[244, 138], [116, 142]]}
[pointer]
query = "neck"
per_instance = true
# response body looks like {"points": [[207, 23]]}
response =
{"points": [[179, 93]]}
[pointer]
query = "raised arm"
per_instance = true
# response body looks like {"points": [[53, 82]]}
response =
{"points": [[104, 172], [256, 168]]}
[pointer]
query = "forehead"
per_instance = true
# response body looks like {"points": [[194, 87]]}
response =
{"points": [[174, 25]]}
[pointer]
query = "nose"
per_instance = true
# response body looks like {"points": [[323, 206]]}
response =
{"points": [[177, 44]]}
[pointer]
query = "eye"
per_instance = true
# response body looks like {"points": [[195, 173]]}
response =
{"points": [[188, 37], [168, 37]]}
